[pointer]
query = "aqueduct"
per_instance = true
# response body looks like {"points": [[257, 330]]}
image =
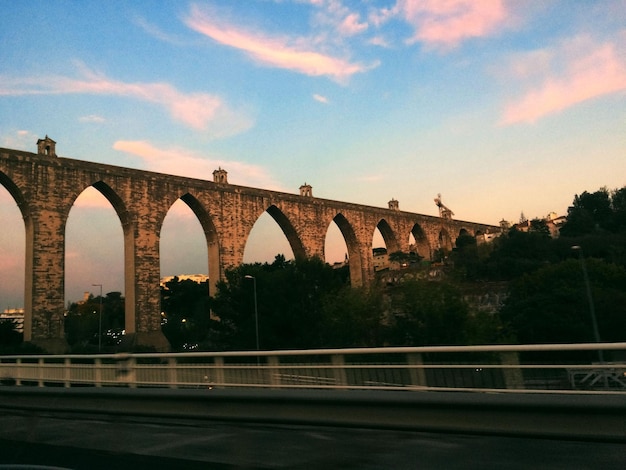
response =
{"points": [[45, 187]]}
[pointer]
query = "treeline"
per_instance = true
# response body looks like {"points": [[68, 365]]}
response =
{"points": [[307, 304]]}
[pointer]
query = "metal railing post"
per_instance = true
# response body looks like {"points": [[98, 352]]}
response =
{"points": [[273, 371], [18, 372], [339, 370], [220, 380], [416, 370], [511, 372], [40, 371], [67, 373], [98, 372], [172, 373]]}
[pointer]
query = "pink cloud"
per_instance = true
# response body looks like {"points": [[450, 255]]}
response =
{"points": [[197, 110], [272, 51], [583, 75], [320, 98], [183, 162], [351, 25], [446, 23]]}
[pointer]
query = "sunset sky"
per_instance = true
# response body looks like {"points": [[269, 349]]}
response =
{"points": [[503, 107]]}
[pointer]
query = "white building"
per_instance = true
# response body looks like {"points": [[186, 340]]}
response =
{"points": [[15, 314]]}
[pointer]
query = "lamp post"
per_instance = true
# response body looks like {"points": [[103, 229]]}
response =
{"points": [[256, 312], [592, 310], [99, 319]]}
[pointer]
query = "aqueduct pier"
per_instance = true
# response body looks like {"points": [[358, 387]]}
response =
{"points": [[45, 186]]}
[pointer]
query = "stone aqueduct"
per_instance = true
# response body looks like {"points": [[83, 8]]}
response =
{"points": [[45, 187]]}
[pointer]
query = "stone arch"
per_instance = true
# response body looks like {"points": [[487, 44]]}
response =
{"points": [[290, 232], [354, 254], [422, 245], [16, 193], [389, 236], [212, 240], [126, 221], [444, 241], [29, 231]]}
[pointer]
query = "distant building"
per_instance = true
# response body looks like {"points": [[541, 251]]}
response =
{"points": [[199, 278], [16, 315], [381, 259], [553, 221]]}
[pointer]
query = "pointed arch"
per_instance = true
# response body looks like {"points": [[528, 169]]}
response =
{"points": [[354, 254], [290, 232], [212, 240], [127, 225], [421, 245], [27, 253], [389, 236], [444, 241]]}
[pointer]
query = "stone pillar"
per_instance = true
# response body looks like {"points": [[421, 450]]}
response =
{"points": [[145, 319], [45, 279]]}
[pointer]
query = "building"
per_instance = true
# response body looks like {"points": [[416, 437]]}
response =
{"points": [[199, 278], [16, 315], [553, 222]]}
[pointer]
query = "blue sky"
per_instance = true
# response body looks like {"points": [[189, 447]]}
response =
{"points": [[503, 107]]}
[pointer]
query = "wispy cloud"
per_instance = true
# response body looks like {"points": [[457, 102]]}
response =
{"points": [[196, 110], [20, 139], [556, 79], [379, 41], [92, 118], [183, 162], [352, 25], [156, 32], [445, 24], [320, 98], [295, 54]]}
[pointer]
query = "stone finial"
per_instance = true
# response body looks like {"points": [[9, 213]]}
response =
{"points": [[394, 205], [306, 190], [220, 176], [46, 147]]}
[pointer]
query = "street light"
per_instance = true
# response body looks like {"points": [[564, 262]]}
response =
{"points": [[99, 319], [256, 312], [592, 310]]}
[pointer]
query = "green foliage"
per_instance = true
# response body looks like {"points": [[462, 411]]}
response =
{"points": [[353, 317], [290, 299], [550, 305], [186, 320], [602, 210], [10, 338], [427, 313], [82, 322]]}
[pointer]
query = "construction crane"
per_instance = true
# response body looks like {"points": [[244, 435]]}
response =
{"points": [[444, 212]]}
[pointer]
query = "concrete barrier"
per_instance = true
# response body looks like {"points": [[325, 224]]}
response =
{"points": [[586, 417]]}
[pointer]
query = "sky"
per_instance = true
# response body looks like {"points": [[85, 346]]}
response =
{"points": [[502, 107]]}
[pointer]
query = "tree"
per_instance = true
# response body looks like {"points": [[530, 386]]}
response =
{"points": [[589, 212], [82, 322], [186, 315], [289, 303], [618, 204], [427, 313], [550, 305], [10, 338], [353, 317]]}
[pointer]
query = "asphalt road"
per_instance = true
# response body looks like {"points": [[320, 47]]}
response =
{"points": [[99, 443]]}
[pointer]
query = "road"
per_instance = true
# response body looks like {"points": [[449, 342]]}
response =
{"points": [[98, 442]]}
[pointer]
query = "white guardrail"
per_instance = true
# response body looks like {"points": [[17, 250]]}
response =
{"points": [[557, 368]]}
